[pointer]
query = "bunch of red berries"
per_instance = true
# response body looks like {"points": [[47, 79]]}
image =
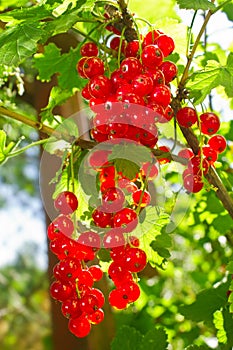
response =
{"points": [[142, 79], [198, 165], [73, 286]]}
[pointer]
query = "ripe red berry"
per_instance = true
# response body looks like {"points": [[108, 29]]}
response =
{"points": [[101, 218], [186, 117], [218, 143], [113, 199], [67, 270], [100, 86], [126, 219], [152, 56], [71, 308], [166, 44], [169, 70], [141, 198], [60, 291], [79, 326], [209, 123], [210, 154], [130, 67], [142, 84], [193, 183], [117, 299], [132, 49], [96, 317], [88, 67], [66, 202], [135, 259], [161, 94], [151, 38], [89, 49], [149, 170], [186, 153], [96, 272]]}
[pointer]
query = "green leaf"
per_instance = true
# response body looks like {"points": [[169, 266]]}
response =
{"points": [[152, 220], [19, 42], [228, 9], [4, 150], [155, 339], [196, 5], [230, 267], [161, 244], [202, 82], [127, 338], [62, 23], [196, 347], [205, 80], [126, 167], [35, 13], [133, 152], [52, 61], [219, 325], [56, 98], [207, 302]]}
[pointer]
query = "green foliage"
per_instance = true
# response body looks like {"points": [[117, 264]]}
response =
{"points": [[128, 338], [201, 83], [51, 62], [4, 150], [207, 302], [20, 42], [196, 5]]}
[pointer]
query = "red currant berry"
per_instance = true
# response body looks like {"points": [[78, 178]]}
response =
{"points": [[113, 238], [135, 259], [161, 94], [100, 86], [89, 49], [166, 44], [193, 183], [66, 202], [151, 38], [92, 66], [209, 123], [71, 308], [117, 299], [164, 160], [218, 143], [141, 198], [186, 117], [210, 154], [60, 291], [101, 218], [79, 326], [67, 269], [126, 219], [149, 170], [130, 67], [96, 272], [186, 153], [113, 199], [64, 225], [152, 56], [132, 49], [96, 317], [142, 84], [169, 70]]}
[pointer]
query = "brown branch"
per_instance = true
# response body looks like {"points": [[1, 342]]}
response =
{"points": [[42, 128]]}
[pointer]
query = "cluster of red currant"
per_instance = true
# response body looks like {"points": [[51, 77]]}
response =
{"points": [[142, 79], [74, 275], [73, 286], [198, 165]]}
